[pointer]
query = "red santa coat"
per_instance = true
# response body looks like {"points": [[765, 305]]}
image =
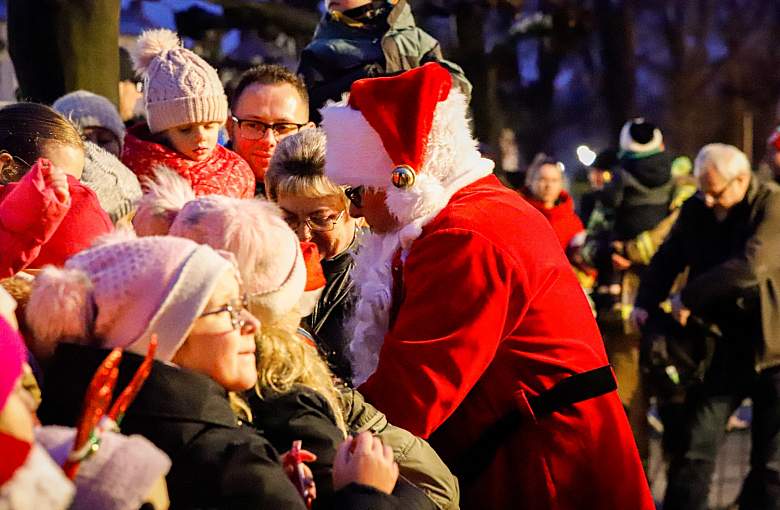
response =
{"points": [[487, 313], [223, 173]]}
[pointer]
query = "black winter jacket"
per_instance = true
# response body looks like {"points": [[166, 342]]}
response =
{"points": [[640, 194], [304, 414], [734, 267], [217, 460], [326, 322]]}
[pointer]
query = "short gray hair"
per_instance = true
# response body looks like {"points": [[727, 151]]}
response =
{"points": [[727, 160]]}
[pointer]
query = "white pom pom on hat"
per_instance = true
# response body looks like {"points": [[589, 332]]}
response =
{"points": [[153, 43]]}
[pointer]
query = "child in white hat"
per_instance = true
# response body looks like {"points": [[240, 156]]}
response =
{"points": [[185, 107]]}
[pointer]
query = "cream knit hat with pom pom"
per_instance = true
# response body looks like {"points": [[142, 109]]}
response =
{"points": [[179, 86]]}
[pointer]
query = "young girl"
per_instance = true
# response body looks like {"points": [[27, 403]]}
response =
{"points": [[46, 214], [295, 396], [185, 108], [118, 294]]}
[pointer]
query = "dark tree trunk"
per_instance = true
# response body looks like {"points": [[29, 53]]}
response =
{"points": [[59, 46]]}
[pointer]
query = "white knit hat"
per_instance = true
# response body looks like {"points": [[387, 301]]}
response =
{"points": [[179, 86], [86, 109], [118, 476], [639, 137], [122, 291]]}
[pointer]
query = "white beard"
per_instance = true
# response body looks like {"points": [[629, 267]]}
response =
{"points": [[370, 318]]}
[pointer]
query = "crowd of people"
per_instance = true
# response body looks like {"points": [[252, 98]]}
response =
{"points": [[268, 300]]}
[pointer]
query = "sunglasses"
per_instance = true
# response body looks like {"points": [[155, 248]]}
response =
{"points": [[355, 195]]}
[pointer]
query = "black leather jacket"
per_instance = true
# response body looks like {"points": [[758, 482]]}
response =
{"points": [[326, 322]]}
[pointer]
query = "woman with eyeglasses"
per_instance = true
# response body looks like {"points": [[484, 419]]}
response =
{"points": [[122, 293], [46, 214], [318, 211], [296, 396]]}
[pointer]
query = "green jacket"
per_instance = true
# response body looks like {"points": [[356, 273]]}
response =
{"points": [[418, 462], [343, 51]]}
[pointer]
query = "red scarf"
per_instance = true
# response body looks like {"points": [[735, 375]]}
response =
{"points": [[223, 173], [561, 216]]}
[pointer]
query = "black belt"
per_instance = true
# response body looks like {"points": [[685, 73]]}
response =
{"points": [[566, 392]]}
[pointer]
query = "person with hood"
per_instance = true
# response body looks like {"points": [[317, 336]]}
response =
{"points": [[644, 198], [457, 333], [365, 38]]}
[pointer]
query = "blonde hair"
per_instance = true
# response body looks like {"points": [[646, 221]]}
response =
{"points": [[297, 169], [285, 359]]}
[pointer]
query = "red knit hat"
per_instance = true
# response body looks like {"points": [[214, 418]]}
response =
{"points": [[399, 111], [403, 124]]}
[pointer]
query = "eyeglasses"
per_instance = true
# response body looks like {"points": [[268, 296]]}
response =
{"points": [[234, 308], [355, 195], [253, 129], [316, 223], [715, 195]]}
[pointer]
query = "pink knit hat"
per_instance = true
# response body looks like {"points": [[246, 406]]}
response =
{"points": [[266, 249], [179, 86], [124, 290], [12, 355]]}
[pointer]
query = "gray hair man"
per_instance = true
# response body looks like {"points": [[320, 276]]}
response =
{"points": [[728, 236]]}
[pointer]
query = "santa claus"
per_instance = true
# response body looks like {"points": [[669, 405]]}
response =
{"points": [[470, 328]]}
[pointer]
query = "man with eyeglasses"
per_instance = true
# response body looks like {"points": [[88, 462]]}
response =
{"points": [[728, 237], [268, 104]]}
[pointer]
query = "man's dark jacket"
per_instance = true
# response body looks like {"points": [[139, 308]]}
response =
{"points": [[734, 265]]}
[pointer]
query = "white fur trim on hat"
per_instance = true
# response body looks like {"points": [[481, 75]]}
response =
{"points": [[356, 156], [628, 144], [354, 150]]}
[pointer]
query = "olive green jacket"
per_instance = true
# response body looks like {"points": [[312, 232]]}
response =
{"points": [[418, 461]]}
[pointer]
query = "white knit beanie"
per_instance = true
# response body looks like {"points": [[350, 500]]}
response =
{"points": [[125, 289], [179, 86], [85, 109]]}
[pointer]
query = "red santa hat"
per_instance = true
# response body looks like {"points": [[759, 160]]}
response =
{"points": [[408, 134]]}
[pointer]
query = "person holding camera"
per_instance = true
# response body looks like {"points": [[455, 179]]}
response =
{"points": [[728, 236]]}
